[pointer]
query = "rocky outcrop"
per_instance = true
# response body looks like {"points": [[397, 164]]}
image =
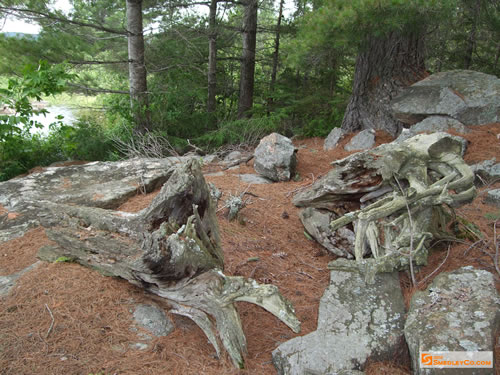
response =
{"points": [[364, 140], [470, 97], [356, 321], [460, 311], [275, 158], [334, 137]]}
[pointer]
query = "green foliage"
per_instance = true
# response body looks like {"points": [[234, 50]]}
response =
{"points": [[64, 259]]}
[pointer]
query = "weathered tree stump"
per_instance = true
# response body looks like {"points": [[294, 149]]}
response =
{"points": [[171, 249], [399, 194]]}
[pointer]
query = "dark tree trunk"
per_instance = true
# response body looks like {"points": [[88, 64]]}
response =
{"points": [[212, 57], [274, 72], [137, 68], [248, 58], [383, 68], [471, 40]]}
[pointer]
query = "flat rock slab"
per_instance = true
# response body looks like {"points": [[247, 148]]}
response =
{"points": [[97, 184], [254, 179], [460, 311], [356, 321], [473, 98], [9, 281]]}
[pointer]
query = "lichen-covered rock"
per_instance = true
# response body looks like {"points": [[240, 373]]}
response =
{"points": [[460, 311], [356, 321], [153, 319], [275, 158], [317, 224], [333, 138], [473, 98], [364, 140]]}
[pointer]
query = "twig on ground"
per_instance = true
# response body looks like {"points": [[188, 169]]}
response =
{"points": [[438, 267], [238, 162], [412, 271], [51, 324]]}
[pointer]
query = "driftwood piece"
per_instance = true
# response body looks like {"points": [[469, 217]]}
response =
{"points": [[171, 249], [402, 192]]}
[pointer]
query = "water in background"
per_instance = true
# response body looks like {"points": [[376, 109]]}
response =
{"points": [[51, 117]]}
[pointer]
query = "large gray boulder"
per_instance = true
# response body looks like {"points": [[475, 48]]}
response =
{"points": [[473, 98], [356, 321], [97, 184], [275, 158], [460, 311]]}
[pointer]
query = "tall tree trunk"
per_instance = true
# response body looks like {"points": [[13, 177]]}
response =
{"points": [[274, 72], [248, 58], [137, 68], [212, 57], [471, 40], [383, 69]]}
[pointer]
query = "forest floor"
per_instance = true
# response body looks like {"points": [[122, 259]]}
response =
{"points": [[63, 318]]}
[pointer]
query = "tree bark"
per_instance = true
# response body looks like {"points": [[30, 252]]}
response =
{"points": [[383, 69], [137, 68], [212, 57], [248, 58], [274, 71], [471, 40], [171, 249]]}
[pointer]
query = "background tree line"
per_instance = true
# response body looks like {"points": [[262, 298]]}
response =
{"points": [[228, 71]]}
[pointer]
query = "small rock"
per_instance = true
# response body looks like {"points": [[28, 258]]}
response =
{"points": [[233, 156], [139, 346], [275, 158], [486, 171], [493, 197], [364, 140], [153, 319], [333, 139]]}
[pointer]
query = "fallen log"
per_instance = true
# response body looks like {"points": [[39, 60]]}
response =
{"points": [[172, 249]]}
